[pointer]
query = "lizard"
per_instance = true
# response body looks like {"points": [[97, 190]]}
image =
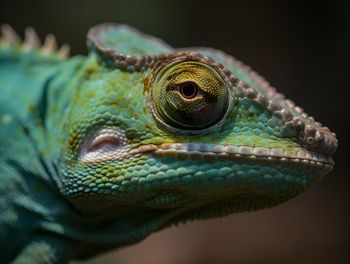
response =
{"points": [[99, 151]]}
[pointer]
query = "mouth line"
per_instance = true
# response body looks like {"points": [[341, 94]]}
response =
{"points": [[216, 152]]}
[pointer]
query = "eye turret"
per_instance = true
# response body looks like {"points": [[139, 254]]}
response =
{"points": [[189, 95]]}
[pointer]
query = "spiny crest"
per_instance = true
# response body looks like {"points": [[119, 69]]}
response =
{"points": [[32, 42]]}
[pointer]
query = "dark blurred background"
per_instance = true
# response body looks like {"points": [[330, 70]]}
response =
{"points": [[303, 49]]}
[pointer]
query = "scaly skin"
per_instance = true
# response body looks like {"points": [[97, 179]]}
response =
{"points": [[98, 152]]}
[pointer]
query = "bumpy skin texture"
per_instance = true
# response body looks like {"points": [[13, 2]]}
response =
{"points": [[98, 152]]}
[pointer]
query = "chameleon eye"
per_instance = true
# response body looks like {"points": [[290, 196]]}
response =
{"points": [[189, 95]]}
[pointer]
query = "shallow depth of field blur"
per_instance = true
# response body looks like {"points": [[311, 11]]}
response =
{"points": [[300, 47]]}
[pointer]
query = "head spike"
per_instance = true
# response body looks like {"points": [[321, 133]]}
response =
{"points": [[31, 39], [50, 45], [9, 36], [63, 51]]}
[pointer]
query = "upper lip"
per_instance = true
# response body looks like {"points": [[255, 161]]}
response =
{"points": [[302, 155]]}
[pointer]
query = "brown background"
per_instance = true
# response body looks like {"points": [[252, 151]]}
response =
{"points": [[301, 47]]}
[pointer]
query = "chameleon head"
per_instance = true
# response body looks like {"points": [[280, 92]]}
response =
{"points": [[169, 135]]}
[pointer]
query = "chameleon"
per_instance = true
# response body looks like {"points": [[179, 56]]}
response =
{"points": [[99, 151]]}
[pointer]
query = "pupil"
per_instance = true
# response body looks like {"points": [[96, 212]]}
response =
{"points": [[189, 90]]}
